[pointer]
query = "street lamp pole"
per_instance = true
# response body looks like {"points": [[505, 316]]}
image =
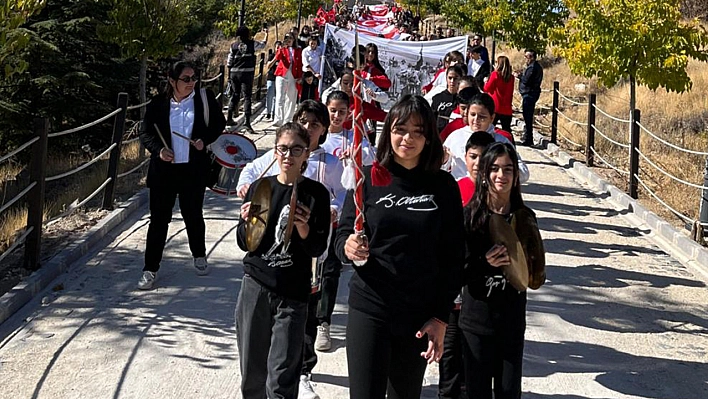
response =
{"points": [[299, 13], [242, 14]]}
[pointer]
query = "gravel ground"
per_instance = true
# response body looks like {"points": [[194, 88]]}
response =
{"points": [[617, 318]]}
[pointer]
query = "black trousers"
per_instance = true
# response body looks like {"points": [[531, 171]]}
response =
{"points": [[528, 107], [451, 364], [495, 358], [309, 355], [321, 306], [504, 120], [331, 271], [241, 85], [380, 362], [269, 334], [162, 199]]}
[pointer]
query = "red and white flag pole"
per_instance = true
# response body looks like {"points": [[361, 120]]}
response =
{"points": [[358, 139]]}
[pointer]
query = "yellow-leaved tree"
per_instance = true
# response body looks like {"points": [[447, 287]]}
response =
{"points": [[13, 14], [646, 42]]}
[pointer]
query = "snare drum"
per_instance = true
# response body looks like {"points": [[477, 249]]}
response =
{"points": [[231, 152]]}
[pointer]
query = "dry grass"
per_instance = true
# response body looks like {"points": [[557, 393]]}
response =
{"points": [[60, 195], [681, 119]]}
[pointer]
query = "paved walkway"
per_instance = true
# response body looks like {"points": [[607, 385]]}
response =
{"points": [[618, 318]]}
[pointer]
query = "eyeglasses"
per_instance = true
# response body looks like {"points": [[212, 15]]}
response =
{"points": [[189, 79], [295, 150], [402, 132]]}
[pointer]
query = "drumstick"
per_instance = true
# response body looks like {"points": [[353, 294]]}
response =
{"points": [[159, 133], [267, 168], [183, 137]]}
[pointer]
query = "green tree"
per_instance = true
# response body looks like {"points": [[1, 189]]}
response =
{"points": [[643, 41], [146, 28], [13, 37], [520, 23]]}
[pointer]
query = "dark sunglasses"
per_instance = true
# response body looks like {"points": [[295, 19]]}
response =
{"points": [[189, 79]]}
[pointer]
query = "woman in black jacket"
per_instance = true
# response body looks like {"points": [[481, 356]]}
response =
{"points": [[414, 257], [178, 166]]}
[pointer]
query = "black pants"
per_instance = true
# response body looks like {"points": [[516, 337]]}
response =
{"points": [[451, 364], [162, 200], [269, 333], [380, 362], [331, 271], [528, 106], [493, 357], [241, 84], [504, 120], [309, 355]]}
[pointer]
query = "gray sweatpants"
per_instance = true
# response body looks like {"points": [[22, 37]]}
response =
{"points": [[270, 331]]}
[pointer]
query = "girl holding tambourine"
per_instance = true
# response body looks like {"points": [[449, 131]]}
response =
{"points": [[493, 313], [271, 311]]}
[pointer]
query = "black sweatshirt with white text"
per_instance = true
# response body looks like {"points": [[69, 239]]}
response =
{"points": [[287, 271], [416, 247]]}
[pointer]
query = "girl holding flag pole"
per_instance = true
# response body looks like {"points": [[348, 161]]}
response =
{"points": [[402, 227]]}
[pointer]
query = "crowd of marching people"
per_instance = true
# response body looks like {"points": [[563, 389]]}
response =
{"points": [[436, 232]]}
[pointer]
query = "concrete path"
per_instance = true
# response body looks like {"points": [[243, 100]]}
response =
{"points": [[617, 319]]}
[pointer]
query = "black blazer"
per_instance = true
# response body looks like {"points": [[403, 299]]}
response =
{"points": [[482, 72], [158, 112]]}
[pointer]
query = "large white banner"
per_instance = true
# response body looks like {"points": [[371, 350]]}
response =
{"points": [[409, 65]]}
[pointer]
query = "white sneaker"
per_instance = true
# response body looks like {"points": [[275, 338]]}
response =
{"points": [[323, 342], [201, 265], [306, 391], [147, 281]]}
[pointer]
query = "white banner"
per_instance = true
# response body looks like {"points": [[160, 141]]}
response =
{"points": [[409, 65]]}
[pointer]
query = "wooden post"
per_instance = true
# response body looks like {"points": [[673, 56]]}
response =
{"points": [[554, 114], [634, 156], [222, 79], [118, 129], [259, 85], [590, 140], [35, 199]]}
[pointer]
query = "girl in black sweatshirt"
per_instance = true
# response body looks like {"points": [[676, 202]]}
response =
{"points": [[493, 313], [272, 305], [414, 257]]}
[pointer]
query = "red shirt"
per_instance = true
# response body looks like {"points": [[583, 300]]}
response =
{"points": [[455, 124], [377, 76], [467, 188], [283, 55], [502, 92], [506, 134]]}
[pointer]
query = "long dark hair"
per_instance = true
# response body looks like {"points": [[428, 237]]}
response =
{"points": [[409, 106], [477, 210], [375, 49], [174, 72]]}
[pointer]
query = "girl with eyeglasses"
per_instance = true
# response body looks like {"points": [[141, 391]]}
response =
{"points": [[178, 166], [324, 168], [271, 310], [401, 296]]}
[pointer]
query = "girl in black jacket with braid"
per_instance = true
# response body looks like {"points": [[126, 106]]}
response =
{"points": [[178, 166], [414, 257]]}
